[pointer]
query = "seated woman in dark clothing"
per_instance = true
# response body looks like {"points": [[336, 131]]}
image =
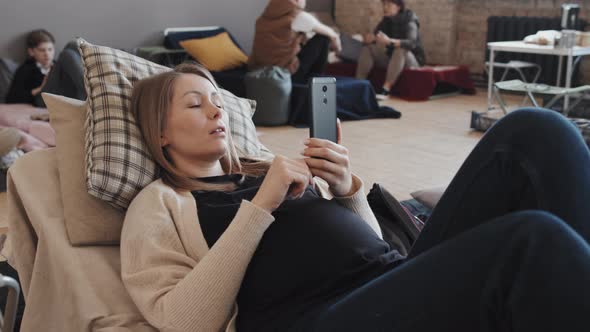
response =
{"points": [[280, 40], [40, 73], [221, 243], [31, 76], [395, 44]]}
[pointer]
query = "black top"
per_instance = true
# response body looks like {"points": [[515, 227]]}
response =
{"points": [[404, 26], [26, 78], [315, 252]]}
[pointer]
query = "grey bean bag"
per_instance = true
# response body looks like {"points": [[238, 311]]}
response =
{"points": [[271, 88]]}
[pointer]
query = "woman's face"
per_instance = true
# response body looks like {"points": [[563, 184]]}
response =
{"points": [[390, 8], [195, 131], [43, 53]]}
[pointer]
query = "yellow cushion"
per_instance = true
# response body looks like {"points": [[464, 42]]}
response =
{"points": [[215, 53]]}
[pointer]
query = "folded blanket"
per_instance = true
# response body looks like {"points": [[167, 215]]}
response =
{"points": [[38, 134]]}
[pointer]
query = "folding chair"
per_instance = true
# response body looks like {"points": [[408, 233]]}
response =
{"points": [[517, 66], [530, 88], [7, 323]]}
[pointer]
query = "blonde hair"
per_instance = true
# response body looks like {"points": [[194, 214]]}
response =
{"points": [[150, 104]]}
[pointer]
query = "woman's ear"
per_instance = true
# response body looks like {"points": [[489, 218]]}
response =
{"points": [[30, 52], [163, 140]]}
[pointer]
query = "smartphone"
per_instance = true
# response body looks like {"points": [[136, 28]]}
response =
{"points": [[322, 105]]}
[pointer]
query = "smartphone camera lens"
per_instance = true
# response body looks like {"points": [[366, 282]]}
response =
{"points": [[324, 88], [325, 100]]}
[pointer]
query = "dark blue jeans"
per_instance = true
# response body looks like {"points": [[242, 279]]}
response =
{"points": [[312, 59], [506, 249]]}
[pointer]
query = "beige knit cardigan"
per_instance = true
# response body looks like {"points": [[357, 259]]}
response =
{"points": [[177, 281]]}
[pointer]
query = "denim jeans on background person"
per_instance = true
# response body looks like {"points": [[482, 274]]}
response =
{"points": [[506, 248]]}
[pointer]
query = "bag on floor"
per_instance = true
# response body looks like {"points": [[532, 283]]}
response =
{"points": [[399, 227]]}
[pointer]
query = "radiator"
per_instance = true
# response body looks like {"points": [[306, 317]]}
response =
{"points": [[504, 28]]}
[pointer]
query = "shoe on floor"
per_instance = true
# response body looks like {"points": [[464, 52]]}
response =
{"points": [[382, 94]]}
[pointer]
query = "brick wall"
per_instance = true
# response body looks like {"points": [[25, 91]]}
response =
{"points": [[437, 28], [357, 16], [453, 31], [437, 19], [472, 26]]}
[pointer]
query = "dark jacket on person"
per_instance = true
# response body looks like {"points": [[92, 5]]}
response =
{"points": [[27, 77], [404, 26]]}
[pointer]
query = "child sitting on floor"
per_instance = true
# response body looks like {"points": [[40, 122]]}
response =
{"points": [[40, 73], [31, 76]]}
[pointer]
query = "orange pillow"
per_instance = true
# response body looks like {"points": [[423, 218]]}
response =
{"points": [[216, 53]]}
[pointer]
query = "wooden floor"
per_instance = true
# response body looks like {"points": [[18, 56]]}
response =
{"points": [[423, 149]]}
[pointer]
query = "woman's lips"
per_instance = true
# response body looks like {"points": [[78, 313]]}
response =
{"points": [[219, 131]]}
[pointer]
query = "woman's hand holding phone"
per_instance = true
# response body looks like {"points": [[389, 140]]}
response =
{"points": [[285, 177], [330, 161]]}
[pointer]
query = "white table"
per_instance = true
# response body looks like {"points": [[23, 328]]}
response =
{"points": [[522, 47]]}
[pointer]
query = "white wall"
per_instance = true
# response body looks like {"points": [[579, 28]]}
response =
{"points": [[120, 23]]}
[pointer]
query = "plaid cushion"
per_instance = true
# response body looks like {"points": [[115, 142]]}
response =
{"points": [[241, 125], [118, 164]]}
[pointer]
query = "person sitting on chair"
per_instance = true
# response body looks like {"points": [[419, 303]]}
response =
{"points": [[395, 44], [279, 40]]}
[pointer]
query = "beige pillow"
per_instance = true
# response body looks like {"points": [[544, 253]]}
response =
{"points": [[118, 163], [89, 220], [429, 197]]}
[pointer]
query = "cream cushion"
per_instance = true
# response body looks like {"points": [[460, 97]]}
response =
{"points": [[88, 220], [429, 197]]}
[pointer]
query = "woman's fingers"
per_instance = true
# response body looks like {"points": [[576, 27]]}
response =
{"points": [[300, 166], [300, 176], [323, 143], [285, 177], [328, 157], [331, 163], [325, 166], [299, 182], [327, 154], [298, 185], [330, 178]]}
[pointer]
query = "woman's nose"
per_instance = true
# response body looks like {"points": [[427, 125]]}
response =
{"points": [[214, 112]]}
